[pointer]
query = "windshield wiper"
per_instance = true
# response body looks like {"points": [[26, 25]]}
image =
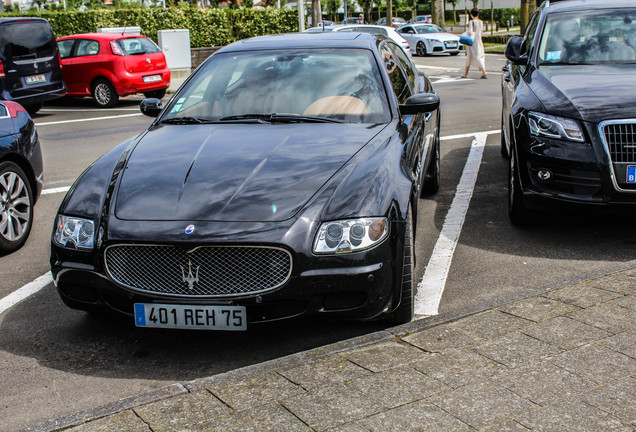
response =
{"points": [[184, 120], [282, 118]]}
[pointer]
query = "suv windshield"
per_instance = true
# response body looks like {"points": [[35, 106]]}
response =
{"points": [[340, 84], [22, 40], [589, 37], [137, 46]]}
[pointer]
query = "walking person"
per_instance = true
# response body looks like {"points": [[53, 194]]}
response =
{"points": [[475, 53]]}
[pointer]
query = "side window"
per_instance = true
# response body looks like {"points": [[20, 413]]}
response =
{"points": [[66, 48], [87, 47], [405, 64], [398, 80], [531, 30]]}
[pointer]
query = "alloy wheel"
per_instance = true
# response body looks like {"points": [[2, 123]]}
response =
{"points": [[102, 94], [15, 207]]}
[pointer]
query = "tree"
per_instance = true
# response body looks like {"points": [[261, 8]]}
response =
{"points": [[316, 12], [454, 3], [332, 6], [523, 19]]}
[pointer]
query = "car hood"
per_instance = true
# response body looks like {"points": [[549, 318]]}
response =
{"points": [[595, 92], [234, 172]]}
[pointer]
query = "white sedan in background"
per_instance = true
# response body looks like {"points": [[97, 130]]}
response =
{"points": [[427, 39], [387, 31]]}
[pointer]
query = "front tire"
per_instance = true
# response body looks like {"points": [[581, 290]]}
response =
{"points": [[504, 146], [104, 94], [420, 49], [406, 310], [517, 211], [16, 207], [431, 182]]}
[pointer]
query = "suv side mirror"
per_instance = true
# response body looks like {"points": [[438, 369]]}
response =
{"points": [[420, 103], [514, 49], [151, 107]]}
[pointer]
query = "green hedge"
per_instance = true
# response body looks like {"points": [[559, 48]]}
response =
{"points": [[208, 27], [502, 16]]}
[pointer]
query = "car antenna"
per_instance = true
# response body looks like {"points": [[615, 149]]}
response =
{"points": [[124, 31]]}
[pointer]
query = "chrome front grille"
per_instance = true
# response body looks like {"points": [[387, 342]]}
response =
{"points": [[620, 138], [210, 271]]}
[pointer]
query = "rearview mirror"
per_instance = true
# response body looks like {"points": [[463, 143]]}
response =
{"points": [[515, 51], [420, 103], [151, 107]]}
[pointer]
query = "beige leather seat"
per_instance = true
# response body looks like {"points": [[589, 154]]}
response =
{"points": [[331, 105]]}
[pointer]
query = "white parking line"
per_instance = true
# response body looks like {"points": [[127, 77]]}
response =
{"points": [[87, 119], [56, 190], [26, 291], [433, 283], [434, 280], [84, 110]]}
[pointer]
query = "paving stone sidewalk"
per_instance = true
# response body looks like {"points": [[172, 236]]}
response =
{"points": [[561, 360]]}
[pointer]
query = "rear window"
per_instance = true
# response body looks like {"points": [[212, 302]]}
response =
{"points": [[23, 40], [138, 46]]}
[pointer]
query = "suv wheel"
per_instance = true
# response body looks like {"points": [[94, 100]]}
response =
{"points": [[104, 94], [16, 207], [517, 211]]}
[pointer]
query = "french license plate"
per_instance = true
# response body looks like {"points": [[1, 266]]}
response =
{"points": [[631, 174], [190, 317], [34, 79], [152, 78]]}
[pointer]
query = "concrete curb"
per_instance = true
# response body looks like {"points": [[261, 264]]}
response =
{"points": [[78, 418]]}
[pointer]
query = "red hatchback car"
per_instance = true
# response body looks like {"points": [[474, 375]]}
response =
{"points": [[109, 65]]}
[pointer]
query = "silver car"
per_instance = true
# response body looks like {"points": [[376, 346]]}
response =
{"points": [[427, 39]]}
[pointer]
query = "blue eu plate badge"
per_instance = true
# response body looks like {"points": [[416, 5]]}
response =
{"points": [[631, 174]]}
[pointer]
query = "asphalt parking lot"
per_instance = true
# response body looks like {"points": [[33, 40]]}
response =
{"points": [[56, 360]]}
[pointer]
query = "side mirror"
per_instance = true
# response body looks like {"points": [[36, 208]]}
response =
{"points": [[151, 107], [420, 103], [514, 49]]}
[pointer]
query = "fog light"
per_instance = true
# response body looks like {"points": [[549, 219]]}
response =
{"points": [[544, 175]]}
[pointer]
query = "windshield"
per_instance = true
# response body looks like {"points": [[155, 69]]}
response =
{"points": [[22, 40], [137, 46], [339, 84], [589, 37], [424, 29]]}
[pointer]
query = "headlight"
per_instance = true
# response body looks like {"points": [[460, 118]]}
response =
{"points": [[554, 127], [350, 235], [74, 233]]}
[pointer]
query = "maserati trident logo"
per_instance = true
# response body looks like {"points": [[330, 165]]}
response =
{"points": [[190, 278]]}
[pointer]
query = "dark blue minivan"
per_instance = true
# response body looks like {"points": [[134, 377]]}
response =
{"points": [[30, 71]]}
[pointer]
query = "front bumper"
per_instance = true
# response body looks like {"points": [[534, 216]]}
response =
{"points": [[358, 286], [579, 175]]}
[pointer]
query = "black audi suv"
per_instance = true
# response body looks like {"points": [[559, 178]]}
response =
{"points": [[569, 109]]}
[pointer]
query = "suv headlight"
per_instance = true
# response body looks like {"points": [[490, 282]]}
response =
{"points": [[74, 233], [546, 125], [350, 235]]}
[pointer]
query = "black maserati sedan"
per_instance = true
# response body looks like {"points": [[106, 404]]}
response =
{"points": [[20, 175], [569, 109], [282, 179]]}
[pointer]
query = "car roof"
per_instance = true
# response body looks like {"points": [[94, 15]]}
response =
{"points": [[305, 40], [101, 36], [573, 5]]}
